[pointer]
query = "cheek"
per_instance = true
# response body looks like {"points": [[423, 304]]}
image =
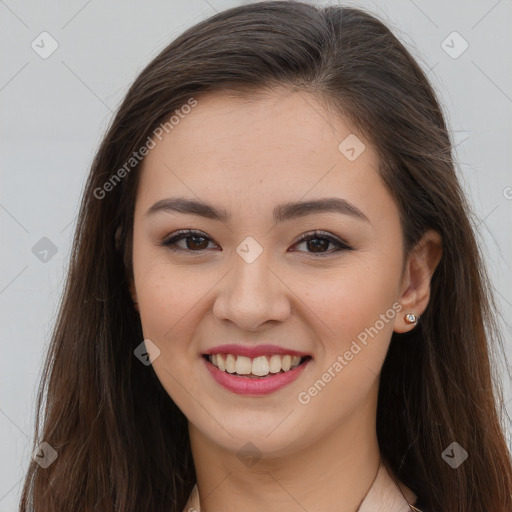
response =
{"points": [[355, 311], [348, 300], [170, 303], [167, 301]]}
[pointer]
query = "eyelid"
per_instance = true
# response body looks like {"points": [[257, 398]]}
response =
{"points": [[183, 233], [322, 234]]}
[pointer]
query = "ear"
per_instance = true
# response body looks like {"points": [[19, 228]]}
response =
{"points": [[133, 294], [420, 265]]}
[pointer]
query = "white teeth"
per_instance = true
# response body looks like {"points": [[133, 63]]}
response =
{"points": [[259, 366], [230, 363], [275, 364], [243, 365]]}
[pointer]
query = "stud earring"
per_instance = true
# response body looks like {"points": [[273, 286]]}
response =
{"points": [[410, 318]]}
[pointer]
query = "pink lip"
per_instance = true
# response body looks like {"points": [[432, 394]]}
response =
{"points": [[250, 386], [256, 351]]}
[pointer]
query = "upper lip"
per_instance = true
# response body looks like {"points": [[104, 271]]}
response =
{"points": [[254, 351]]}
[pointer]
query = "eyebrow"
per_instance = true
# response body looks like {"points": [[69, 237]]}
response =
{"points": [[281, 213]]}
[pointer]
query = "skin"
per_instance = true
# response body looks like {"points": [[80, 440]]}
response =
{"points": [[245, 157]]}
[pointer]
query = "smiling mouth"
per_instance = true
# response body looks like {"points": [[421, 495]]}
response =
{"points": [[256, 368]]}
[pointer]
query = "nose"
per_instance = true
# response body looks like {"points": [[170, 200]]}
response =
{"points": [[252, 295]]}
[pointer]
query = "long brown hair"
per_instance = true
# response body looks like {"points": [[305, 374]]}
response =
{"points": [[122, 443]]}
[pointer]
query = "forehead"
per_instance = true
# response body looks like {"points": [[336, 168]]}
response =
{"points": [[288, 125], [249, 150]]}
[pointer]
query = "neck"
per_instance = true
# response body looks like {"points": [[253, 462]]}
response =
{"points": [[335, 473]]}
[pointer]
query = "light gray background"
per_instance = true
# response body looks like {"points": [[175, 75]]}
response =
{"points": [[55, 111]]}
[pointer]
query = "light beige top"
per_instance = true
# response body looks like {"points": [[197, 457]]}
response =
{"points": [[383, 496]]}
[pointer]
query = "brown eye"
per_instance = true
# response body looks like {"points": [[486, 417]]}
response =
{"points": [[195, 241], [318, 243]]}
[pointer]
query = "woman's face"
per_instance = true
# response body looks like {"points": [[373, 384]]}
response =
{"points": [[247, 280]]}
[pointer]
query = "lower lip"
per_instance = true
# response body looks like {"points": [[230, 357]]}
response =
{"points": [[251, 386]]}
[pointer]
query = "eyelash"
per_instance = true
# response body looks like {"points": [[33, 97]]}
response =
{"points": [[185, 233]]}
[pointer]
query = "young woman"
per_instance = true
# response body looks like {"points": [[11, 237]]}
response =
{"points": [[275, 300]]}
